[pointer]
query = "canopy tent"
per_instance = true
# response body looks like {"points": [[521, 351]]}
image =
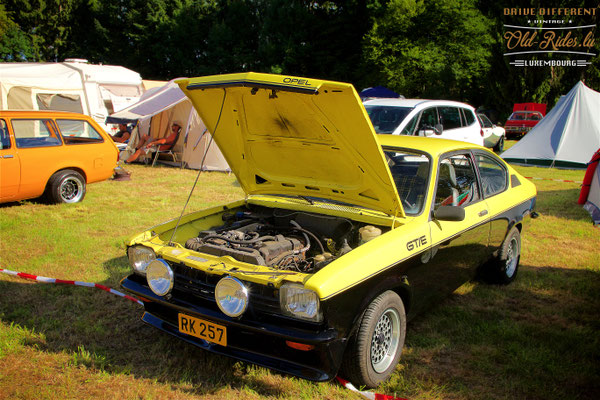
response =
{"points": [[154, 114], [378, 92], [590, 190], [566, 137], [73, 85]]}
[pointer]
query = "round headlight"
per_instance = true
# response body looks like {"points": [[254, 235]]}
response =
{"points": [[160, 277], [231, 296], [139, 258]]}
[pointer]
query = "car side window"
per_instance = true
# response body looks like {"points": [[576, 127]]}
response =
{"points": [[35, 133], [4, 136], [450, 117], [457, 182], [78, 131], [469, 117], [494, 177], [429, 119], [485, 122], [410, 128]]}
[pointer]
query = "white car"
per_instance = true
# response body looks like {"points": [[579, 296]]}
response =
{"points": [[493, 135], [416, 117]]}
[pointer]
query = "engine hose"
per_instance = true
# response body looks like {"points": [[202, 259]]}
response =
{"points": [[301, 229]]}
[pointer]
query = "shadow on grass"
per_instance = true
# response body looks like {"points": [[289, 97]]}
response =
{"points": [[561, 204], [536, 338], [104, 332]]}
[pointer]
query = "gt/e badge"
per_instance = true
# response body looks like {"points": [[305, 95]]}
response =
{"points": [[416, 243]]}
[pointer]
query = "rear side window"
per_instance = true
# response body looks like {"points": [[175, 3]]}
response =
{"points": [[450, 117], [35, 133], [494, 178], [77, 131], [469, 117], [4, 136]]}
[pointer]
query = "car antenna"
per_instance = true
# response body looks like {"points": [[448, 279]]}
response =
{"points": [[200, 171]]}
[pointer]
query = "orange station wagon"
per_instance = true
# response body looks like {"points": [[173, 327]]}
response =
{"points": [[52, 153]]}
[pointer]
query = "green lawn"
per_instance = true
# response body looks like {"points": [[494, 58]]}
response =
{"points": [[536, 338]]}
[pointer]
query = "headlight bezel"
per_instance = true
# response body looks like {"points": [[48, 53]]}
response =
{"points": [[139, 258], [299, 302]]}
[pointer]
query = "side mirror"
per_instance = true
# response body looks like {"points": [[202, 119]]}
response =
{"points": [[449, 213], [438, 129]]}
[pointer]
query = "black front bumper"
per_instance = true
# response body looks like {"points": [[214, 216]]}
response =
{"points": [[260, 341]]}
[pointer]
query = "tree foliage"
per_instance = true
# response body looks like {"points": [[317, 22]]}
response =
{"points": [[449, 49]]}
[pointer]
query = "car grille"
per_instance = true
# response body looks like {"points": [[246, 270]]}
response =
{"points": [[201, 286]]}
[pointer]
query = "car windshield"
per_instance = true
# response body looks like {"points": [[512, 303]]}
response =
{"points": [[521, 116], [410, 171], [386, 119]]}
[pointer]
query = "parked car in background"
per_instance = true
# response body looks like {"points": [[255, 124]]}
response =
{"points": [[52, 153], [493, 135], [524, 117], [343, 235], [435, 118]]}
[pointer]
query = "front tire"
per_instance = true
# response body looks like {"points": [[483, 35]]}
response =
{"points": [[374, 349], [67, 186]]}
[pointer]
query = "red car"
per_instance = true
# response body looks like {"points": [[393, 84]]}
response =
{"points": [[524, 117]]}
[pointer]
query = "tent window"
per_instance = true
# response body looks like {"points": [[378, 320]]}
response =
{"points": [[123, 90], [59, 102], [35, 133], [78, 132]]}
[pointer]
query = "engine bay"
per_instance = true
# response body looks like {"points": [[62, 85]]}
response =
{"points": [[282, 239]]}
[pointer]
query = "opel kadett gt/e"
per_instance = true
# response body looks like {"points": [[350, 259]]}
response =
{"points": [[343, 235]]}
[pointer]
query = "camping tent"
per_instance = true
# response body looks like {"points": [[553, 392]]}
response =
{"points": [[378, 92], [73, 85], [154, 114], [590, 191], [566, 137]]}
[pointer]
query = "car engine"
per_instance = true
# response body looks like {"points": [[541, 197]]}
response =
{"points": [[295, 241]]}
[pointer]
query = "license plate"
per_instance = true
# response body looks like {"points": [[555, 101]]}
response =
{"points": [[203, 329]]}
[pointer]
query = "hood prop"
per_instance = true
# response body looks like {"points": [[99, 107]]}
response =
{"points": [[200, 171]]}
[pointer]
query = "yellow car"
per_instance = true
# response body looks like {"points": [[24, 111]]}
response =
{"points": [[52, 153], [343, 235]]}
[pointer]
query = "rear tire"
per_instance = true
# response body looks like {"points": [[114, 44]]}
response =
{"points": [[66, 186], [504, 268], [500, 145], [374, 349]]}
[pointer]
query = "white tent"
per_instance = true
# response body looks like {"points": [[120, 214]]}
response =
{"points": [[73, 85], [154, 114], [566, 137]]}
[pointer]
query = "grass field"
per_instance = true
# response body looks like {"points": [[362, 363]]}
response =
{"points": [[534, 339]]}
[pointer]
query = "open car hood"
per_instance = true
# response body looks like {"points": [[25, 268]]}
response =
{"points": [[295, 136]]}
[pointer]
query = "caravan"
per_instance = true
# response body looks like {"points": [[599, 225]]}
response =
{"points": [[73, 85]]}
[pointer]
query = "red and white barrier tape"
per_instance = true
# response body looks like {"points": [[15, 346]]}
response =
{"points": [[550, 179], [45, 279], [365, 394]]}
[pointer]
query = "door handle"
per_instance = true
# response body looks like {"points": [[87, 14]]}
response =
{"points": [[483, 213], [8, 156]]}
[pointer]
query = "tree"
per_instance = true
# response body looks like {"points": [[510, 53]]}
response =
{"points": [[15, 45], [433, 49]]}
